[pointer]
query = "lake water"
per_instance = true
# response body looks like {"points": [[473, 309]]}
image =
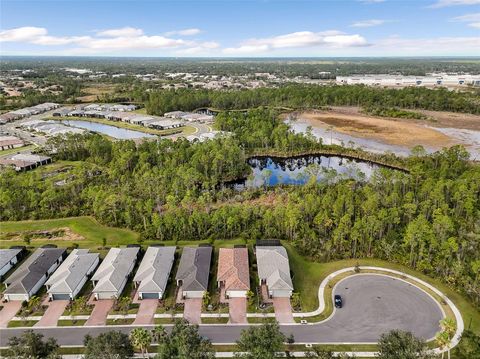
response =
{"points": [[112, 131], [267, 171]]}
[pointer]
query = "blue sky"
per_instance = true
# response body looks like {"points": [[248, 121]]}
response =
{"points": [[241, 28]]}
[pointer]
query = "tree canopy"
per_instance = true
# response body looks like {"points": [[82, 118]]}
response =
{"points": [[263, 341], [184, 342]]}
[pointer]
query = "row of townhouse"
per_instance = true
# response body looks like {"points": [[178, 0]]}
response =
{"points": [[189, 116], [155, 122], [27, 111], [24, 161], [64, 277]]}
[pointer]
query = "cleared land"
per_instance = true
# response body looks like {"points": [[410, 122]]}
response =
{"points": [[394, 131]]}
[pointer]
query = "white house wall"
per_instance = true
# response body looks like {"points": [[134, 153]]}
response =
{"points": [[193, 294], [236, 293]]}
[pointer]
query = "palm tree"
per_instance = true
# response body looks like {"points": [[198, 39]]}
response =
{"points": [[448, 326], [158, 333], [442, 340], [141, 339]]}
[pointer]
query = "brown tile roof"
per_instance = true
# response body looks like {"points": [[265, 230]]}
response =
{"points": [[233, 268]]}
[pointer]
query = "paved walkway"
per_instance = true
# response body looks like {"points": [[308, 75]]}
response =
{"points": [[8, 311], [238, 310], [283, 310], [53, 313], [193, 310], [100, 312], [146, 311]]}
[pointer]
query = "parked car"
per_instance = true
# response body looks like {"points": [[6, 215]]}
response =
{"points": [[338, 301]]}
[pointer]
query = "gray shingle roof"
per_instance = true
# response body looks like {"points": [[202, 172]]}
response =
{"points": [[115, 267], [273, 266], [32, 270], [194, 268], [72, 271], [6, 255], [154, 269]]}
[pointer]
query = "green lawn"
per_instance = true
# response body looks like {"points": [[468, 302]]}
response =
{"points": [[21, 323], [92, 231]]}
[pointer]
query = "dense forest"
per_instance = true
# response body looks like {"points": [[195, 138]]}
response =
{"points": [[308, 67], [427, 219], [311, 96]]}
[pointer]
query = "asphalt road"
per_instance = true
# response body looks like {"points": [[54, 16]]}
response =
{"points": [[373, 305]]}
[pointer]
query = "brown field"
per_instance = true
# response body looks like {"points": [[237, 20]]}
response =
{"points": [[65, 234], [93, 92], [403, 132]]}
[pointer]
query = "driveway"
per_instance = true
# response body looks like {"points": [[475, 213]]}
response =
{"points": [[100, 312], [283, 310], [8, 311], [146, 311], [193, 310], [237, 308], [54, 311]]}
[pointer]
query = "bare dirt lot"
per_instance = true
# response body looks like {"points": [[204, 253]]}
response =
{"points": [[58, 234], [402, 132]]}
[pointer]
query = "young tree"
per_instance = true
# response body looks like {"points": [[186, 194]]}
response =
{"points": [[158, 333], [31, 345], [123, 304], [109, 345], [263, 341], [141, 339], [444, 338], [398, 344], [184, 342]]}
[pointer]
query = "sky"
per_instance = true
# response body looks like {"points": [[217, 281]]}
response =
{"points": [[248, 28]]}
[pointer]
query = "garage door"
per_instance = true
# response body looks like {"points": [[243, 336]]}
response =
{"points": [[150, 296], [106, 295], [61, 297]]}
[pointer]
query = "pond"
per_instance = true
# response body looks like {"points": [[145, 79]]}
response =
{"points": [[269, 171], [112, 131]]}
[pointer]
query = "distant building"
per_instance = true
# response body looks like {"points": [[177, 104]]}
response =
{"points": [[175, 114], [25, 161], [9, 142]]}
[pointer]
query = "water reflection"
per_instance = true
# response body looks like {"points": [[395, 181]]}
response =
{"points": [[267, 171], [112, 131]]}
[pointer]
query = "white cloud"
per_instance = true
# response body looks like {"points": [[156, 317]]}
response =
{"points": [[184, 32], [22, 34], [368, 23], [122, 32], [473, 19], [110, 40], [296, 40], [202, 49], [447, 3]]}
